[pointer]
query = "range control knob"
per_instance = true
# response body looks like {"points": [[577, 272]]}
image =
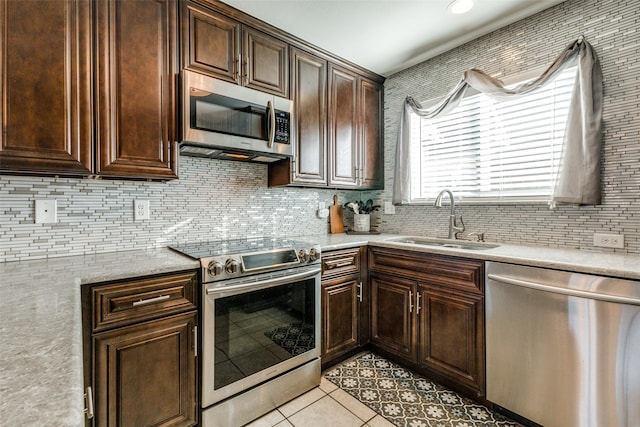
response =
{"points": [[313, 254], [231, 266], [214, 268], [303, 255]]}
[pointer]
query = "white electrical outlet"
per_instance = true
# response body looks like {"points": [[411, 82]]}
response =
{"points": [[46, 211], [321, 205], [389, 209], [141, 209], [608, 240]]}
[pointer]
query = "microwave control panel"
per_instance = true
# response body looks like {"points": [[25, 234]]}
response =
{"points": [[282, 127]]}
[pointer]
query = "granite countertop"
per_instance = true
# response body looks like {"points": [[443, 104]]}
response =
{"points": [[41, 377]]}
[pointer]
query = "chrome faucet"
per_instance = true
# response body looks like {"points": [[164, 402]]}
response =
{"points": [[453, 227]]}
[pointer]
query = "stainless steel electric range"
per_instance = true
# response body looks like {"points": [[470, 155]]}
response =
{"points": [[260, 325]]}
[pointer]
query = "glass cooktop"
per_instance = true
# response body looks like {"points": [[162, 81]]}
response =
{"points": [[199, 250]]}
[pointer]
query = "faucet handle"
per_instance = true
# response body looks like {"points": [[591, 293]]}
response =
{"points": [[479, 236]]}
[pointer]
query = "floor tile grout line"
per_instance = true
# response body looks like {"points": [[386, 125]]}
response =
{"points": [[365, 421]]}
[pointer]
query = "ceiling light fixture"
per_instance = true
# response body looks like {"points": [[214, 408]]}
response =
{"points": [[460, 6]]}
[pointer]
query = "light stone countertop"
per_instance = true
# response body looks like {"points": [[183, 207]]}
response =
{"points": [[41, 379], [604, 264]]}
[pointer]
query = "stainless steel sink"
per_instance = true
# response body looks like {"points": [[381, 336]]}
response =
{"points": [[446, 243]]}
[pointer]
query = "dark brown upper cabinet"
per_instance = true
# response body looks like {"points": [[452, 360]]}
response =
{"points": [[340, 146], [224, 48], [136, 65], [309, 91], [343, 127], [57, 119], [45, 64], [371, 154]]}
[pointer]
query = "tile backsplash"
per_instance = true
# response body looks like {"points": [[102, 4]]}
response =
{"points": [[611, 26], [213, 199]]}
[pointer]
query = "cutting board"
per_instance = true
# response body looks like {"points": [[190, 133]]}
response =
{"points": [[335, 216]]}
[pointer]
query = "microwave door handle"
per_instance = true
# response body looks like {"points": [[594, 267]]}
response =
{"points": [[271, 128]]}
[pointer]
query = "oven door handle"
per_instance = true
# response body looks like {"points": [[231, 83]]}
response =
{"points": [[267, 283]]}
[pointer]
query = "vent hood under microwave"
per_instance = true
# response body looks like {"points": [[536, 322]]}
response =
{"points": [[226, 121]]}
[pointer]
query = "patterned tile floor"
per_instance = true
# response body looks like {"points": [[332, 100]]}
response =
{"points": [[371, 391]]}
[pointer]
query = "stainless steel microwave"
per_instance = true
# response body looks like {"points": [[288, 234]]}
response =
{"points": [[226, 121]]}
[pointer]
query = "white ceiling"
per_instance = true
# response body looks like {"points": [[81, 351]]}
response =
{"points": [[386, 36]]}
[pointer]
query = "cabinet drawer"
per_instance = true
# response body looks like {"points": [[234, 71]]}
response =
{"points": [[133, 301], [438, 270], [341, 262]]}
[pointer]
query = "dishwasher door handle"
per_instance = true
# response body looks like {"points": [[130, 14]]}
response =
{"points": [[563, 291]]}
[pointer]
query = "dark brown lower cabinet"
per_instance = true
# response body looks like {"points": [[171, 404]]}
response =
{"points": [[428, 311], [345, 304], [144, 374], [393, 323], [451, 340], [140, 346], [340, 317]]}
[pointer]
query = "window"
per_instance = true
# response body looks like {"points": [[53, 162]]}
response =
{"points": [[486, 150]]}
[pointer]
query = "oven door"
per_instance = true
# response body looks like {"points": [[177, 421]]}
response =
{"points": [[257, 328]]}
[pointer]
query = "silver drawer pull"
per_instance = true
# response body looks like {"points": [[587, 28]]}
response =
{"points": [[151, 300], [344, 263]]}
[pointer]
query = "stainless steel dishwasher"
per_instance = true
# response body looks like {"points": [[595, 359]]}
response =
{"points": [[563, 349]]}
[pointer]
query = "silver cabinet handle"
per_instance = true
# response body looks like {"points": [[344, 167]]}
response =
{"points": [[418, 296], [245, 78], [410, 302], [88, 396], [360, 291], [195, 341], [340, 264], [237, 74], [151, 300]]}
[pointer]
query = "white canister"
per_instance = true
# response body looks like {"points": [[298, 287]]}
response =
{"points": [[361, 222]]}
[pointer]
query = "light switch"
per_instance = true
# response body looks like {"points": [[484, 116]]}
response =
{"points": [[46, 211]]}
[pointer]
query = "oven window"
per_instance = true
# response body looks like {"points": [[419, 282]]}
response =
{"points": [[259, 329]]}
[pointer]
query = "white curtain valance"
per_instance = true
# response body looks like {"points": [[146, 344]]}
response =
{"points": [[578, 178]]}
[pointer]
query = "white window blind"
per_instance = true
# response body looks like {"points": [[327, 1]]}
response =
{"points": [[487, 150]]}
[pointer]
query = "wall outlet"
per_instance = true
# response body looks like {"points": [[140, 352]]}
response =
{"points": [[141, 209], [321, 205], [608, 240], [389, 209], [46, 211]]}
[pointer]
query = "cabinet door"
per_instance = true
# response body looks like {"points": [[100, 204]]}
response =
{"points": [[392, 315], [343, 123], [339, 317], [309, 93], [136, 70], [145, 374], [451, 342], [371, 156], [45, 94], [265, 62], [210, 43]]}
